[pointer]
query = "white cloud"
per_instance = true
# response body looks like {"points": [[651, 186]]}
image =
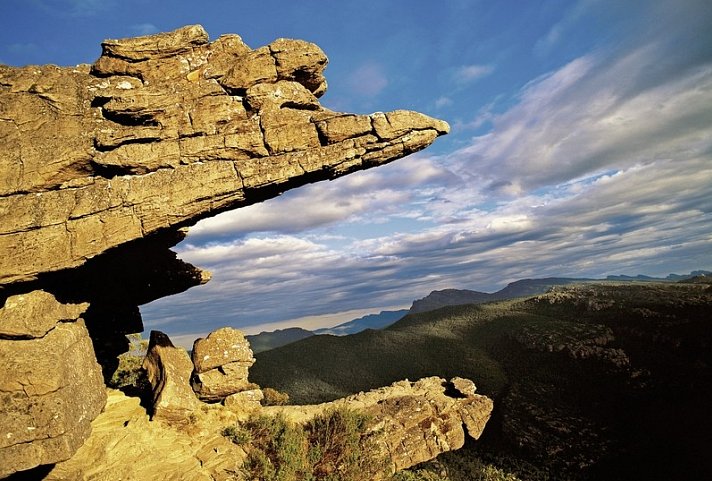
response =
{"points": [[76, 8], [367, 194], [588, 116], [558, 31], [602, 166], [443, 102], [470, 73], [368, 80]]}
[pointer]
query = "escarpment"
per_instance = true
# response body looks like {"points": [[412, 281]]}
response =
{"points": [[103, 168]]}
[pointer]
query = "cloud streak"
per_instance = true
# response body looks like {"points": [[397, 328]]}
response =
{"points": [[469, 73]]}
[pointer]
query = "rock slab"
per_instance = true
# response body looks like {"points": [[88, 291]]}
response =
{"points": [[414, 422], [50, 385], [164, 130], [102, 169]]}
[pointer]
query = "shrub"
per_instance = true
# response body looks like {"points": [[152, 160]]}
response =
{"points": [[417, 475], [339, 446], [130, 376], [237, 435], [279, 450], [272, 397], [335, 446]]}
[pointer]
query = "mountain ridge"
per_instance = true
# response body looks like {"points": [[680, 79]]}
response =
{"points": [[266, 340]]}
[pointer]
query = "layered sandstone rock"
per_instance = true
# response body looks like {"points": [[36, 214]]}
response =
{"points": [[50, 384], [221, 364], [103, 166], [164, 130], [126, 445], [413, 421]]}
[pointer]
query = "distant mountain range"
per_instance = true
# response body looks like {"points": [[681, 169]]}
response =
{"points": [[265, 341], [670, 277], [369, 321], [456, 297]]}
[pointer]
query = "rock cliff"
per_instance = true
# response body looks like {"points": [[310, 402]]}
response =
{"points": [[102, 169]]}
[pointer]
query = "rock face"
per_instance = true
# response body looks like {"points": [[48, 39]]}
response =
{"points": [[164, 130], [414, 421], [102, 169], [222, 361], [168, 370], [50, 385], [125, 444]]}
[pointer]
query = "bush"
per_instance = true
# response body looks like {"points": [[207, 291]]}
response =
{"points": [[278, 451], [417, 475], [272, 397], [339, 446], [237, 435], [335, 446], [130, 376]]}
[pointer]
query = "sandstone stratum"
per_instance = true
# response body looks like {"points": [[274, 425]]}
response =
{"points": [[103, 168]]}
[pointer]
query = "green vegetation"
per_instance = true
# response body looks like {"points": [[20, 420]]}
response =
{"points": [[238, 434], [596, 381], [130, 375], [272, 397], [335, 446]]}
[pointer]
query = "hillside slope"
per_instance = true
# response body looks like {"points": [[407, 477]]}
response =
{"points": [[594, 381], [264, 341]]}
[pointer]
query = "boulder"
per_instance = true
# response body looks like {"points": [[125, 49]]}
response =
{"points": [[245, 401], [221, 347], [221, 361], [216, 384], [168, 369], [50, 385]]}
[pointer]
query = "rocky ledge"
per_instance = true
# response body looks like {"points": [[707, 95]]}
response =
{"points": [[105, 166], [411, 422]]}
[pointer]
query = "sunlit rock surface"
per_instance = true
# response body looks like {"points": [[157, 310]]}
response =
{"points": [[103, 166]]}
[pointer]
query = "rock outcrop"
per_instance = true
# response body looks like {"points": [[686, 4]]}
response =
{"points": [[50, 384], [102, 169], [168, 369], [164, 130], [221, 364], [414, 421], [125, 444]]}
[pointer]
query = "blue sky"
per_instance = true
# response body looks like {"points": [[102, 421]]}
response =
{"points": [[581, 145]]}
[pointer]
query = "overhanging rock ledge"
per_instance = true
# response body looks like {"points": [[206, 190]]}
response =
{"points": [[101, 169]]}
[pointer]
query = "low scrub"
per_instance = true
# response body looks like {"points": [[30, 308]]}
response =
{"points": [[336, 446], [272, 397]]}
